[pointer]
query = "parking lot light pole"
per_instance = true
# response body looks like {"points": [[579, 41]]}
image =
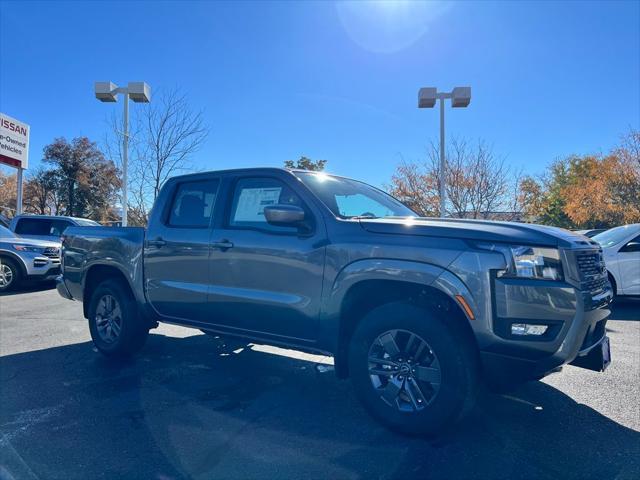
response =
{"points": [[139, 92], [460, 98]]}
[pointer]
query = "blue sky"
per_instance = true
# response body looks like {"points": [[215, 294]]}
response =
{"points": [[334, 81]]}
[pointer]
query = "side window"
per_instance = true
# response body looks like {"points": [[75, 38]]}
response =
{"points": [[58, 227], [33, 226], [632, 246], [193, 204], [251, 195]]}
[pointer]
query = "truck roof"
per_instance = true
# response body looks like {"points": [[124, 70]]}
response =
{"points": [[243, 170]]}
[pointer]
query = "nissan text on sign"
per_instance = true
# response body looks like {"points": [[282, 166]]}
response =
{"points": [[14, 142]]}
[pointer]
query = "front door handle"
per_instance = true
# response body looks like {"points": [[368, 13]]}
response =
{"points": [[158, 242], [222, 244]]}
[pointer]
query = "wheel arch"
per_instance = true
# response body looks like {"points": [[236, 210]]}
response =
{"points": [[361, 288], [16, 259], [95, 275]]}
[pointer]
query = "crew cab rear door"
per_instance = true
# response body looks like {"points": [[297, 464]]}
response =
{"points": [[176, 249], [266, 279]]}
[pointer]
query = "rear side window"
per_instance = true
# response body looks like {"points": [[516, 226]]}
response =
{"points": [[33, 226], [193, 204]]}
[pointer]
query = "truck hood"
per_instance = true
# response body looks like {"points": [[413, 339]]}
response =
{"points": [[478, 230]]}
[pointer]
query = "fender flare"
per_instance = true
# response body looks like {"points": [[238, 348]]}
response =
{"points": [[114, 265], [418, 273]]}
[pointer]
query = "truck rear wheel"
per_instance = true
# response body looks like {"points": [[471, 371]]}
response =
{"points": [[116, 328], [413, 371]]}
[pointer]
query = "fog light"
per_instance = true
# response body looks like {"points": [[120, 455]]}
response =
{"points": [[527, 329]]}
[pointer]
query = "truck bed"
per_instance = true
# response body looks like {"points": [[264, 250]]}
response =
{"points": [[84, 248]]}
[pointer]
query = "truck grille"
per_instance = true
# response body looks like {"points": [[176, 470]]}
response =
{"points": [[591, 264], [592, 270]]}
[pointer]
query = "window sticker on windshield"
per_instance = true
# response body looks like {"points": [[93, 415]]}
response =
{"points": [[252, 201]]}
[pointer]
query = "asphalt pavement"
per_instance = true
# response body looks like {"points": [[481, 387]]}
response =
{"points": [[190, 406]]}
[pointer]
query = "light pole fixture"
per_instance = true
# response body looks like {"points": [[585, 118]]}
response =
{"points": [[139, 92], [460, 98]]}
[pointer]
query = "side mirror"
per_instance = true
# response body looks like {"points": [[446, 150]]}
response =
{"points": [[284, 215]]}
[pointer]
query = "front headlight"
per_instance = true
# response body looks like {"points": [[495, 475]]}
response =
{"points": [[26, 248], [533, 262]]}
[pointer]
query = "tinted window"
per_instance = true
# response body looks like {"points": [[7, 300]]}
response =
{"points": [[58, 227], [632, 246], [250, 197], [193, 204], [33, 226]]}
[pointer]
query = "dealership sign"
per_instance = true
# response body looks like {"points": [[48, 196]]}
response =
{"points": [[14, 142]]}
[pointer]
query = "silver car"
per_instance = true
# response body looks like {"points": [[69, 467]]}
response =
{"points": [[26, 259], [46, 227]]}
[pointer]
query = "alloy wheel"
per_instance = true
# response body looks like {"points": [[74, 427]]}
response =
{"points": [[108, 319], [404, 370], [6, 275]]}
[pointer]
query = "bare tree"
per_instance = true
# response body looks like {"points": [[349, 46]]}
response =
{"points": [[479, 184], [173, 133], [163, 136]]}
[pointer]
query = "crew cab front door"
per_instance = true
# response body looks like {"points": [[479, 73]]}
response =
{"points": [[266, 279], [176, 252]]}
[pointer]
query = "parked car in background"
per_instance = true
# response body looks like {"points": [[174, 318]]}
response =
{"points": [[46, 227], [621, 251], [4, 221], [414, 310], [591, 232], [26, 259]]}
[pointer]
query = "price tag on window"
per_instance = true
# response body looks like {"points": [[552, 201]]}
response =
{"points": [[252, 201]]}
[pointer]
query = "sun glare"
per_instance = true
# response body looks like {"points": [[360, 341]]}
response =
{"points": [[388, 26]]}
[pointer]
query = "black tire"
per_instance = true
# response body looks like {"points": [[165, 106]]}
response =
{"points": [[132, 331], [614, 286], [11, 275], [449, 350]]}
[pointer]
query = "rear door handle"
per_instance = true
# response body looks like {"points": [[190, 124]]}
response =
{"points": [[158, 242], [222, 245]]}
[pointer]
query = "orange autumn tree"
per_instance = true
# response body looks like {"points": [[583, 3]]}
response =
{"points": [[603, 191], [479, 182]]}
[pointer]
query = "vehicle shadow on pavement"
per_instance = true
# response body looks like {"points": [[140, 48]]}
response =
{"points": [[191, 408], [29, 287], [626, 309]]}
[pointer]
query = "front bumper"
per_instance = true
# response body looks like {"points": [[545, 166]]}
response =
{"points": [[62, 288], [38, 266], [576, 322]]}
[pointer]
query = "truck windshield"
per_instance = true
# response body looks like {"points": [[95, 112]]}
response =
{"points": [[616, 235], [352, 199]]}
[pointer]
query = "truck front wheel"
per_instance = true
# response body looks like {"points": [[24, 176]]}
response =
{"points": [[412, 370], [116, 328]]}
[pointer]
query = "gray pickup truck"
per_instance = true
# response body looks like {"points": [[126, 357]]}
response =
{"points": [[416, 311]]}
